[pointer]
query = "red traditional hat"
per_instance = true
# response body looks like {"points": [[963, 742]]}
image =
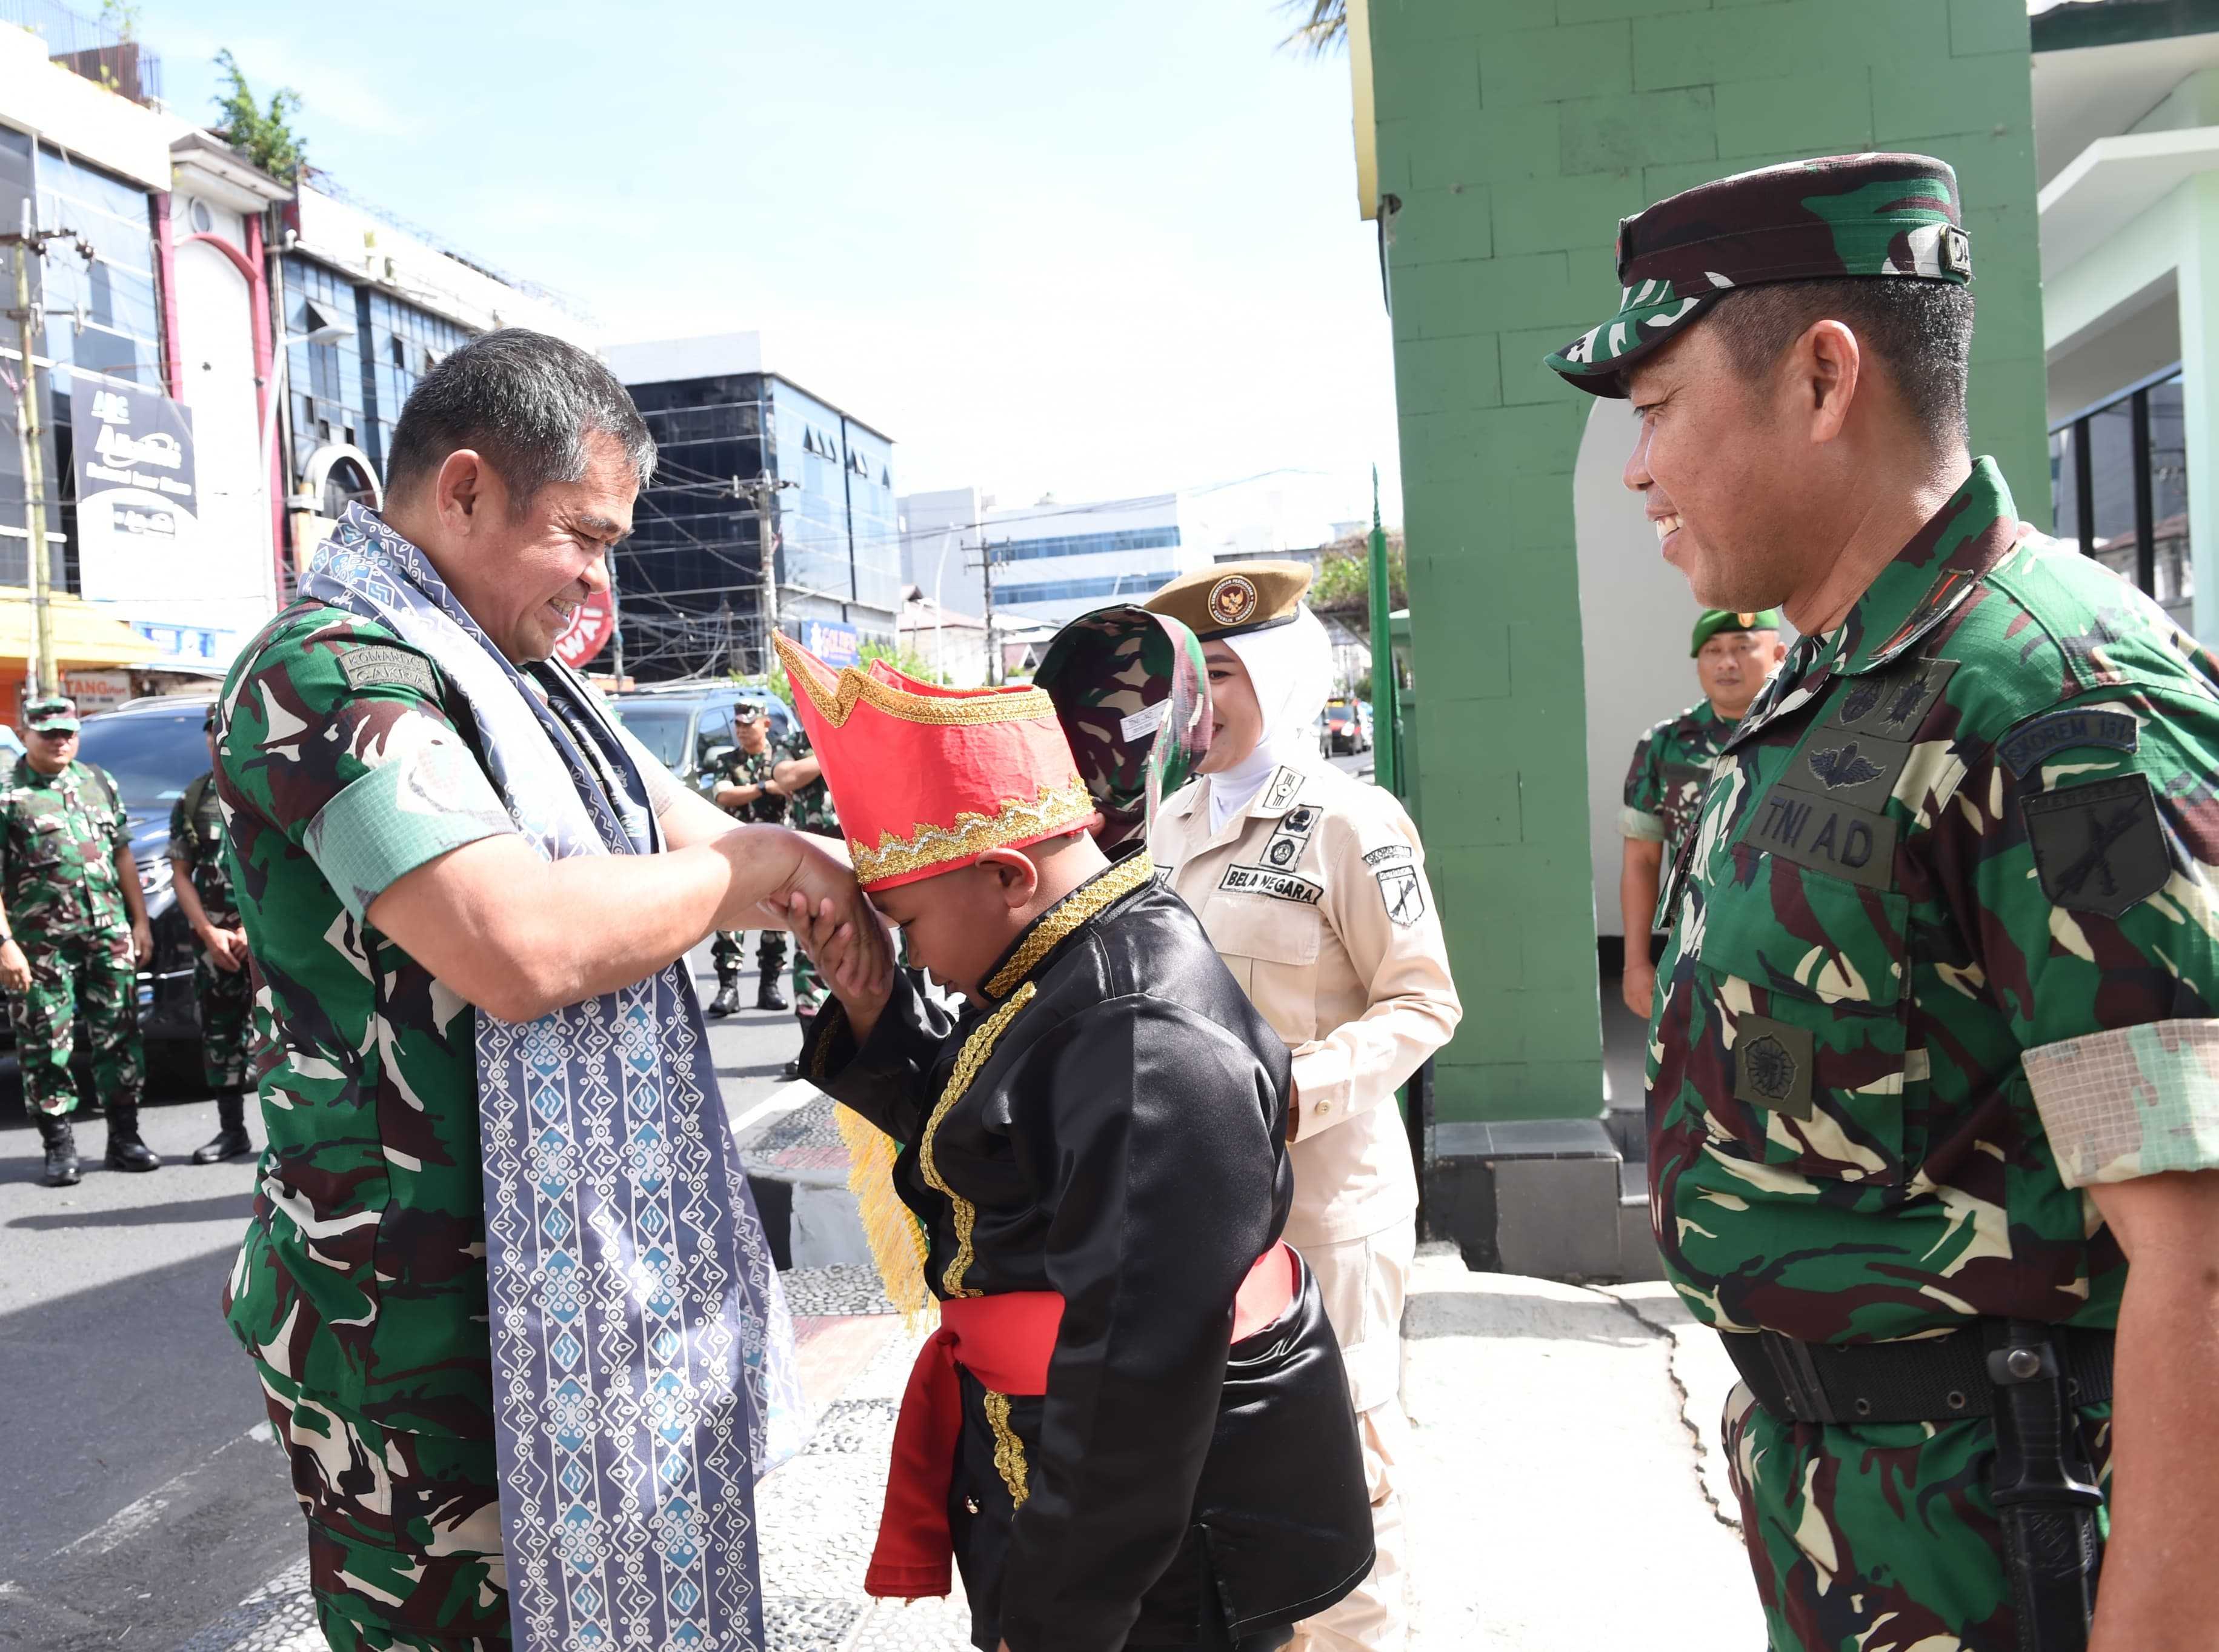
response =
{"points": [[928, 778]]}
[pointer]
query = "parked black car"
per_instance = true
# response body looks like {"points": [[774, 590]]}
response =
{"points": [[687, 724], [154, 748]]}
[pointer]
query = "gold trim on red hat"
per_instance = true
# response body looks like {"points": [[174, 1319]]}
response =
{"points": [[998, 705], [1019, 820]]}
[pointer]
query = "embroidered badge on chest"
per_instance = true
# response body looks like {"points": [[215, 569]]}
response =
{"points": [[2098, 848], [1280, 791], [1291, 836], [1280, 885]]}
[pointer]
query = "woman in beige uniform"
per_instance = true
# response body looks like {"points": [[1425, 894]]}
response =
{"points": [[1312, 886]]}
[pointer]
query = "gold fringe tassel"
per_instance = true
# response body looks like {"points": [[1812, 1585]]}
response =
{"points": [[896, 1237]]}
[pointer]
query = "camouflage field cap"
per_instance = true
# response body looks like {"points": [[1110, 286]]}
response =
{"points": [[1131, 694], [56, 713], [746, 711], [1234, 598], [1715, 620], [1807, 220]]}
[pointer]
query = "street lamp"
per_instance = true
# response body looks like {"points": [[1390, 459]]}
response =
{"points": [[330, 333]]}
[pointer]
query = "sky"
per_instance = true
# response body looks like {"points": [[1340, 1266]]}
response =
{"points": [[1092, 249]]}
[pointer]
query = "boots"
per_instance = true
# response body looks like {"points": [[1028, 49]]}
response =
{"points": [[768, 996], [125, 1150], [231, 1141], [727, 1001], [61, 1149]]}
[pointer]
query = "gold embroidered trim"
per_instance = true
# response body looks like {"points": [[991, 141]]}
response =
{"points": [[896, 1238], [852, 686], [1009, 1450], [1056, 807], [972, 1056], [1054, 926]]}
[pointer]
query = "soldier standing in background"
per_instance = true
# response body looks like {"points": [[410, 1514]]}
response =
{"points": [[1933, 1128], [72, 934], [801, 777], [1312, 887], [1734, 652], [743, 786], [223, 979]]}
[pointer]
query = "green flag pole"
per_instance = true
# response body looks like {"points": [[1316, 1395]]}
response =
{"points": [[1385, 713]]}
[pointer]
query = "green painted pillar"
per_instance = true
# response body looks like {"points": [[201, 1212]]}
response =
{"points": [[1514, 134]]}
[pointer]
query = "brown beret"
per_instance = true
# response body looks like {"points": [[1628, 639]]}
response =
{"points": [[1234, 598]]}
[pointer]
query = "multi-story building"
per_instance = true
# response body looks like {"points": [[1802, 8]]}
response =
{"points": [[690, 584], [940, 541]]}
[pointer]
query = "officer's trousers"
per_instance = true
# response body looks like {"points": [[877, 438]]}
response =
{"points": [[227, 1005], [1880, 1535], [87, 982], [1363, 1283]]}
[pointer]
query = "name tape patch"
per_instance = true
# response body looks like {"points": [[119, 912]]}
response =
{"points": [[378, 664], [1144, 722], [2025, 748], [1280, 885], [1826, 835]]}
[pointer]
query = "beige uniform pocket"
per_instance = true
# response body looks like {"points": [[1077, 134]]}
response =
{"points": [[1271, 947]]}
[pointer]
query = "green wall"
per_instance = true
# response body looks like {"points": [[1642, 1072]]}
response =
{"points": [[1516, 133]]}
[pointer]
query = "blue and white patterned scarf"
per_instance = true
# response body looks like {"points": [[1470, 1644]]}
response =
{"points": [[643, 1355]]}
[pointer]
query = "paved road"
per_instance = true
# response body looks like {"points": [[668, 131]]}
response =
{"points": [[136, 1501]]}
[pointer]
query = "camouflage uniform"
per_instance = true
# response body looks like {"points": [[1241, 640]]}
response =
{"points": [[360, 1291], [60, 834], [1940, 958], [740, 767], [226, 996], [1671, 768], [812, 811]]}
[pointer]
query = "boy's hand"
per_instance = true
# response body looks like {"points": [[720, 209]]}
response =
{"points": [[856, 961]]}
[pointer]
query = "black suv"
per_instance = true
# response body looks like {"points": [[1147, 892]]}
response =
{"points": [[154, 748], [687, 724]]}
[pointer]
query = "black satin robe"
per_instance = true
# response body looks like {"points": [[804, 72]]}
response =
{"points": [[1124, 1144]]}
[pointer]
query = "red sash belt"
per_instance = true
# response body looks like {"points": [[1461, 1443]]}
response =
{"points": [[1006, 1342]]}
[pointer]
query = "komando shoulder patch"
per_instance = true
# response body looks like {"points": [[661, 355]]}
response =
{"points": [[1404, 895], [381, 664], [2024, 747], [2098, 847]]}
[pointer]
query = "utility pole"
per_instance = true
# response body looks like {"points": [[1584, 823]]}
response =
{"points": [[29, 323], [762, 494], [987, 549]]}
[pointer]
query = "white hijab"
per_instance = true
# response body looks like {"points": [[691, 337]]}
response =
{"points": [[1290, 667]]}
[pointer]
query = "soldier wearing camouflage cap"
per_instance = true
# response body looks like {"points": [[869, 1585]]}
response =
{"points": [[1933, 1128], [223, 973], [743, 783], [1733, 653], [73, 932]]}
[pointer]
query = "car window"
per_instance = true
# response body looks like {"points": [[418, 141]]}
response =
{"points": [[154, 756], [660, 729]]}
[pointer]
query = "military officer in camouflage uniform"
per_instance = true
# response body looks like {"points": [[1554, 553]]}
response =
{"points": [[72, 934], [1733, 653], [1933, 1113], [801, 777], [743, 785], [223, 979]]}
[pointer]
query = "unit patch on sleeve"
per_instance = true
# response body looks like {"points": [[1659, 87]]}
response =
{"points": [[2024, 747], [1280, 886], [1404, 895], [2098, 847], [375, 664]]}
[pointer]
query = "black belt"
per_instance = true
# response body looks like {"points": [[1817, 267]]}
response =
{"points": [[1932, 1379]]}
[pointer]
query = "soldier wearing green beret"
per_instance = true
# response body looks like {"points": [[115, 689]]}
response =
{"points": [[72, 936], [1934, 1127], [1733, 653], [223, 981]]}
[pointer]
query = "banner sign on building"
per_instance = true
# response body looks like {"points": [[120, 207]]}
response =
{"points": [[137, 504], [588, 631], [836, 645]]}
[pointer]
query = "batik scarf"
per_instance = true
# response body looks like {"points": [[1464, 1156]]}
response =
{"points": [[642, 1354]]}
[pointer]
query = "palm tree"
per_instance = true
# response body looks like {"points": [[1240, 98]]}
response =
{"points": [[1324, 26]]}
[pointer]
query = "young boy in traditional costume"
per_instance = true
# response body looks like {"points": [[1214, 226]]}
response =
{"points": [[1132, 1428]]}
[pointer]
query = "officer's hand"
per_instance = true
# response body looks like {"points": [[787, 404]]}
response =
{"points": [[14, 968], [1638, 987], [226, 948], [142, 941]]}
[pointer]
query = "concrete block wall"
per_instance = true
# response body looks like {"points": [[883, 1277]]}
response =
{"points": [[1516, 133]]}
